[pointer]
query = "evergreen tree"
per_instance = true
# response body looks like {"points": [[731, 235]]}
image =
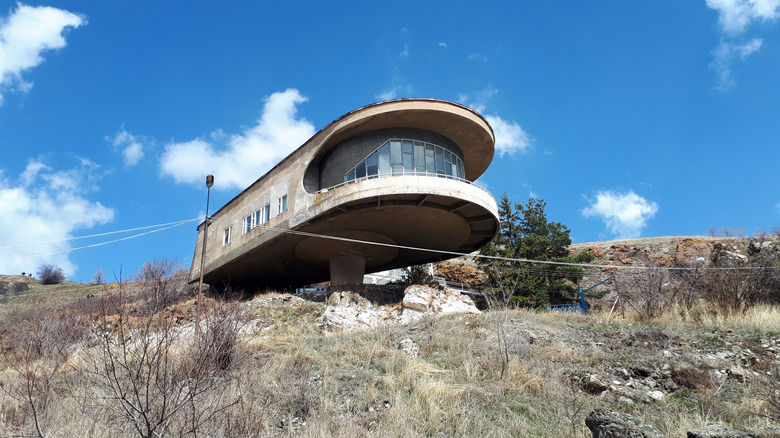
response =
{"points": [[525, 233]]}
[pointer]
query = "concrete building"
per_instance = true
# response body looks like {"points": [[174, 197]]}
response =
{"points": [[398, 172]]}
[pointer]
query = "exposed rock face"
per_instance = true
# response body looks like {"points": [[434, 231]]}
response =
{"points": [[420, 301], [719, 431], [350, 311], [689, 251], [604, 423]]}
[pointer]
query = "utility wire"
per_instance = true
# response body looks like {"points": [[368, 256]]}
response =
{"points": [[508, 259], [98, 235], [170, 225]]}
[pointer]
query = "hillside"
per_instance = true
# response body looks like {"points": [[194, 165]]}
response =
{"points": [[75, 355]]}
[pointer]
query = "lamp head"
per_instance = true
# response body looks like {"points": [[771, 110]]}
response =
{"points": [[209, 181]]}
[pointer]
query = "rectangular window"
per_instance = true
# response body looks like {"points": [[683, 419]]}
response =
{"points": [[265, 213], [282, 207], [246, 226], [439, 160], [419, 157], [384, 160], [395, 152], [227, 234]]}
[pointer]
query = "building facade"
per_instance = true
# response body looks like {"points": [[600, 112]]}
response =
{"points": [[398, 174]]}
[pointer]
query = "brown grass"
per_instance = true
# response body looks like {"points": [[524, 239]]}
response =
{"points": [[293, 379]]}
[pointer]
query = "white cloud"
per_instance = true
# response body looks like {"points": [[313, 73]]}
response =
{"points": [[477, 57], [241, 159], [46, 206], [397, 89], [510, 136], [130, 145], [24, 35], [734, 18], [443, 44], [625, 214], [405, 52], [725, 55]]}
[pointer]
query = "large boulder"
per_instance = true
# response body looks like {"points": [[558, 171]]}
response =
{"points": [[604, 423], [350, 311], [720, 431], [420, 301]]}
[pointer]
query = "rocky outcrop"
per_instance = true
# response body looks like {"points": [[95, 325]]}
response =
{"points": [[349, 310], [604, 423], [720, 431], [420, 301], [691, 251]]}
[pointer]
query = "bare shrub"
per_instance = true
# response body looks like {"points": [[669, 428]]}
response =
{"points": [[50, 274], [98, 277], [37, 354], [160, 379], [768, 392], [165, 282], [649, 293]]}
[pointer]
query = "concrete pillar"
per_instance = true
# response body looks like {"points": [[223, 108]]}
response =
{"points": [[347, 269]]}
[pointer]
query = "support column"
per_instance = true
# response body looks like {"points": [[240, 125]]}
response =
{"points": [[347, 269]]}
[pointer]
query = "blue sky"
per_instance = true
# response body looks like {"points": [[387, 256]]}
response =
{"points": [[631, 119]]}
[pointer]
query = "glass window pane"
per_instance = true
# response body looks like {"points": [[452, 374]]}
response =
{"points": [[398, 169], [384, 159], [428, 150], [350, 175], [439, 160], [372, 169], [360, 170], [430, 166], [419, 157], [407, 147], [408, 162], [447, 156], [395, 152], [372, 159]]}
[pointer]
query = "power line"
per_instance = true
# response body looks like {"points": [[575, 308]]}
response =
{"points": [[98, 235], [508, 259], [169, 226]]}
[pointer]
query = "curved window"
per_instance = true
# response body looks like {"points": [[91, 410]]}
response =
{"points": [[400, 156]]}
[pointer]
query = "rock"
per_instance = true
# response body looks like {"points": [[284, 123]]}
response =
{"points": [[593, 384], [692, 251], [349, 311], [420, 301], [604, 423], [409, 347], [719, 431], [655, 396]]}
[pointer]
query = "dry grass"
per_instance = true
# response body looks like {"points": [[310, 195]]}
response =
{"points": [[295, 380]]}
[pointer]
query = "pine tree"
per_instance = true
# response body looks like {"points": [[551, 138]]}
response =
{"points": [[525, 233]]}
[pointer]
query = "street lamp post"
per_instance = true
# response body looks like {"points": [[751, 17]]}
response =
{"points": [[209, 183]]}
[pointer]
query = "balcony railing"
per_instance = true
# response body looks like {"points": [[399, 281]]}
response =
{"points": [[405, 173]]}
